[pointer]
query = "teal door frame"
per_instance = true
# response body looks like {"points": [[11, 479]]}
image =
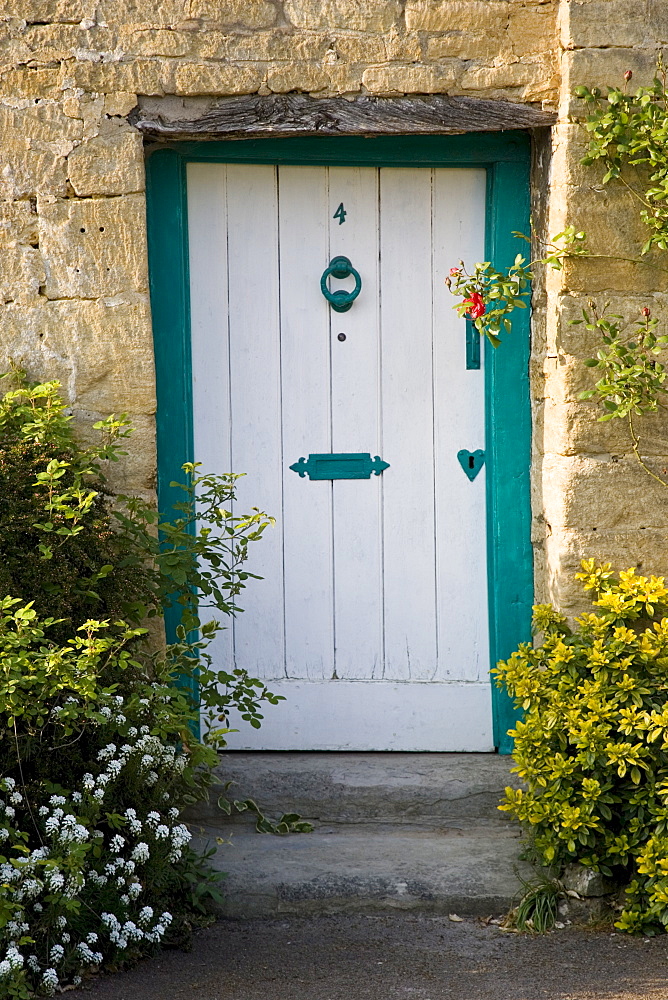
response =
{"points": [[506, 158]]}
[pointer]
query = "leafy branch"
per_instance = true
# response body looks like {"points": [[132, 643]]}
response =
{"points": [[490, 296], [625, 131]]}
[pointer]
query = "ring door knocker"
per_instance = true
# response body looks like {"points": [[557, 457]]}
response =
{"points": [[340, 267]]}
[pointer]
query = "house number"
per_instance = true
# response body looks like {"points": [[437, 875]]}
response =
{"points": [[340, 214]]}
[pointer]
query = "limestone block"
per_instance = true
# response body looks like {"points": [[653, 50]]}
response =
{"points": [[46, 11], [21, 274], [156, 41], [576, 340], [260, 46], [606, 67], [13, 49], [353, 15], [533, 30], [610, 217], [216, 78], [135, 472], [566, 425], [603, 492], [94, 247], [643, 548], [478, 45], [602, 68], [603, 278], [406, 46], [43, 122], [29, 82], [586, 882], [411, 79], [137, 76], [657, 17], [34, 140], [605, 23], [18, 223], [360, 48], [256, 14], [344, 78], [28, 172], [119, 104], [456, 15], [297, 76], [101, 352], [143, 13], [111, 163], [518, 74], [585, 912], [50, 43], [570, 145]]}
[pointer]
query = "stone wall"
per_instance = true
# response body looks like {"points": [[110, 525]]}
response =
{"points": [[591, 497], [73, 285]]}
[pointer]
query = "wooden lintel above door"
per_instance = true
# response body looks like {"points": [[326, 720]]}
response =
{"points": [[299, 114]]}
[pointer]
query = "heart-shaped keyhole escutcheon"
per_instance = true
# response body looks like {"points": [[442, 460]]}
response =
{"points": [[471, 462]]}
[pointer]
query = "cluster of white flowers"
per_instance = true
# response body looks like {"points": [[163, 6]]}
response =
{"points": [[13, 960], [86, 953], [134, 825], [141, 852], [180, 836], [67, 822], [120, 933], [64, 827], [112, 711], [50, 981]]}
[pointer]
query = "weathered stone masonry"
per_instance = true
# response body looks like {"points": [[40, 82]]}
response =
{"points": [[73, 279]]}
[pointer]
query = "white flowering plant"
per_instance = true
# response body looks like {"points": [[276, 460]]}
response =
{"points": [[98, 748]]}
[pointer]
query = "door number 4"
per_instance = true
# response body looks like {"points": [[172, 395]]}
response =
{"points": [[340, 214]]}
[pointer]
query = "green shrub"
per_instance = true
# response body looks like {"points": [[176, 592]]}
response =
{"points": [[592, 745], [59, 546], [98, 756]]}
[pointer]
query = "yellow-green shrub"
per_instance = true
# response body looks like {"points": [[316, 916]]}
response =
{"points": [[592, 745]]}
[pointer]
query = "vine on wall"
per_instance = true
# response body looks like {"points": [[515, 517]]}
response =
{"points": [[628, 136]]}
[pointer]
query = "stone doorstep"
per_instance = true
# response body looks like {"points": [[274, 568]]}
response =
{"points": [[393, 832], [429, 788], [362, 868]]}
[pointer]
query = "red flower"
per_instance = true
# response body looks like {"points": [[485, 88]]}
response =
{"points": [[476, 305], [454, 271]]}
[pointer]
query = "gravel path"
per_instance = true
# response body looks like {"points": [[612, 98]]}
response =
{"points": [[398, 957]]}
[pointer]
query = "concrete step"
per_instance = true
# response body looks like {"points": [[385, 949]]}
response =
{"points": [[392, 831], [429, 788], [366, 868]]}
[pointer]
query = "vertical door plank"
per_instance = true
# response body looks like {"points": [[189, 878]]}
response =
{"points": [[207, 235], [461, 542], [407, 421], [256, 405], [355, 427], [207, 242], [305, 377]]}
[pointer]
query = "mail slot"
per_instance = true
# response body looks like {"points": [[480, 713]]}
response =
{"points": [[355, 465]]}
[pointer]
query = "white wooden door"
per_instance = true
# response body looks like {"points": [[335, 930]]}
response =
{"points": [[372, 616]]}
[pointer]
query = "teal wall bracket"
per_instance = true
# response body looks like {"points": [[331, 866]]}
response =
{"points": [[472, 346], [340, 466], [340, 267], [471, 461]]}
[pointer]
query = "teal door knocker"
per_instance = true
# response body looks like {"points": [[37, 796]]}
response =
{"points": [[340, 267]]}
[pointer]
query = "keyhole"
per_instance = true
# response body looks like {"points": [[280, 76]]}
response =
{"points": [[471, 462], [341, 337]]}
